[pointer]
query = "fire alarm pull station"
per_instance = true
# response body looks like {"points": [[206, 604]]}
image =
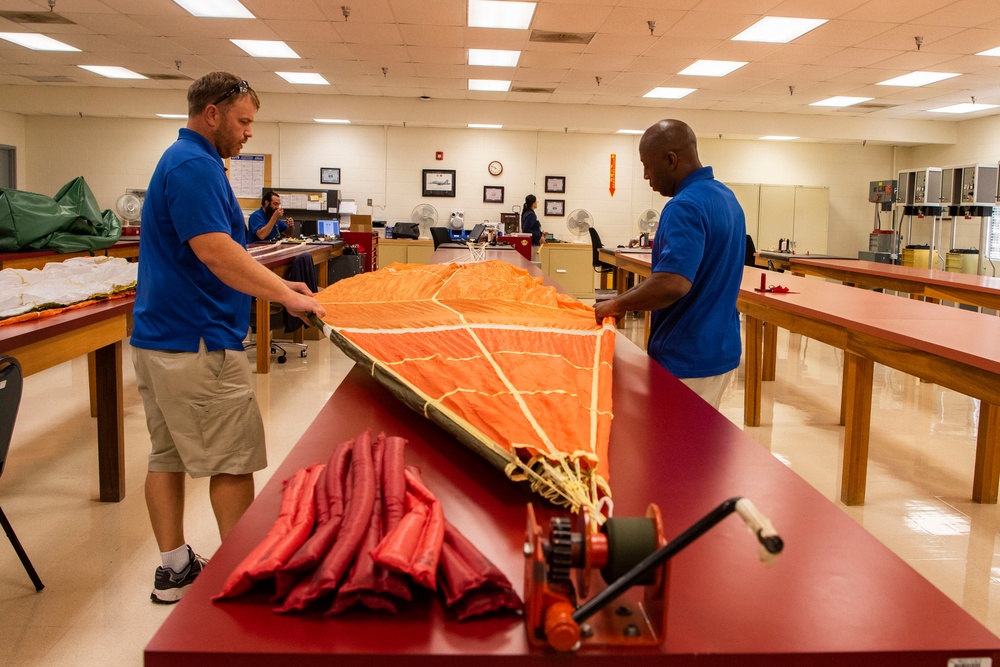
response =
{"points": [[439, 155]]}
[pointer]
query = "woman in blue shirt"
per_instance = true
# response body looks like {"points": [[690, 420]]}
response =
{"points": [[529, 221]]}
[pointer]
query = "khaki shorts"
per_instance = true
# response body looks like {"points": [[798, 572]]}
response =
{"points": [[201, 411], [711, 388]]}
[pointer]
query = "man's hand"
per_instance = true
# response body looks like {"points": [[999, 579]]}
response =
{"points": [[302, 305], [608, 308]]}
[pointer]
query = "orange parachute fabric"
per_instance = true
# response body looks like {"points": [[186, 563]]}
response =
{"points": [[509, 366]]}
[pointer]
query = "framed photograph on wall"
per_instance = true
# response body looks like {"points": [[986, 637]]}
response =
{"points": [[329, 175], [439, 183], [555, 207], [555, 184], [492, 194]]}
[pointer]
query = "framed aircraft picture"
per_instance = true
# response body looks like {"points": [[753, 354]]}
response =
{"points": [[439, 183]]}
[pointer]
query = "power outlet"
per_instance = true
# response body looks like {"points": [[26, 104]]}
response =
{"points": [[369, 202]]}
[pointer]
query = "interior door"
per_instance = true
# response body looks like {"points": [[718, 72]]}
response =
{"points": [[748, 195], [812, 219], [777, 215]]}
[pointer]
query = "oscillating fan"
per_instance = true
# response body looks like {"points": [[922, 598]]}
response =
{"points": [[648, 221], [579, 221], [129, 209], [424, 215]]}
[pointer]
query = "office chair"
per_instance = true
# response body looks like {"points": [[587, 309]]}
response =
{"points": [[440, 235], [10, 399], [301, 270], [600, 267], [751, 251]]}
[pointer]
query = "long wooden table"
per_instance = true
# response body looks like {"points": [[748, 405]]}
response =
{"points": [[36, 259], [836, 597], [100, 328], [277, 258], [951, 347], [931, 284]]}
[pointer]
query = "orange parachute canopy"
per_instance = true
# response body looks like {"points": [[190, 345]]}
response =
{"points": [[511, 367]]}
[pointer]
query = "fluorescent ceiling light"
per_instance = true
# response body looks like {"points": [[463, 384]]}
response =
{"points": [[492, 85], [711, 68], [172, 115], [778, 29], [990, 52], [309, 78], [493, 14], [337, 121], [778, 137], [36, 42], [112, 72], [630, 132], [964, 108], [840, 101], [226, 9], [484, 126], [669, 93], [264, 48], [917, 79], [493, 57]]}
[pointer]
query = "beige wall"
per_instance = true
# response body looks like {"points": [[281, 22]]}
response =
{"points": [[385, 163]]}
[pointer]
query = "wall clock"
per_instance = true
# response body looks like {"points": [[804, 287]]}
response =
{"points": [[495, 168]]}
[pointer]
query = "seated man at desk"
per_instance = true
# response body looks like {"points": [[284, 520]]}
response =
{"points": [[266, 223]]}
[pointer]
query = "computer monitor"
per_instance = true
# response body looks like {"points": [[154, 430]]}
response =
{"points": [[328, 227], [476, 233]]}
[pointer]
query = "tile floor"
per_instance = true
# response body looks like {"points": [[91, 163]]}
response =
{"points": [[97, 559]]}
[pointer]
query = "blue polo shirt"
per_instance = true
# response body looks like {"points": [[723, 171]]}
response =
{"points": [[701, 236], [257, 220], [178, 300]]}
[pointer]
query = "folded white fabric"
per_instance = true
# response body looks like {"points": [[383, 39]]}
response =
{"points": [[59, 284]]}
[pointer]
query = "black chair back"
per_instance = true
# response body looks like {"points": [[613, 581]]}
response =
{"points": [[595, 241], [440, 235], [751, 251], [10, 400]]}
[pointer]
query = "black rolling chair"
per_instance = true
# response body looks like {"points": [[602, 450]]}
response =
{"points": [[600, 267], [440, 235], [10, 399], [751, 251], [302, 270]]}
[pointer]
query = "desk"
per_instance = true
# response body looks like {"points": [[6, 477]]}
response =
{"points": [[36, 259], [277, 258], [836, 597], [783, 260], [930, 283], [43, 343], [951, 347]]}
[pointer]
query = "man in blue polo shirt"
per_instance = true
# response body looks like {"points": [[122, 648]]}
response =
{"points": [[697, 263], [192, 311], [266, 223]]}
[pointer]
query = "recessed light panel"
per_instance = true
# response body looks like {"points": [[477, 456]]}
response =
{"points": [[225, 9], [840, 101], [307, 78], [778, 29], [263, 48], [630, 132], [112, 72], [36, 42], [964, 108], [485, 126], [172, 115], [669, 93], [493, 57], [990, 52], [917, 79], [778, 137], [711, 68], [490, 85], [493, 14], [334, 121]]}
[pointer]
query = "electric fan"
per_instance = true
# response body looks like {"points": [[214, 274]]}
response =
{"points": [[579, 221], [424, 215]]}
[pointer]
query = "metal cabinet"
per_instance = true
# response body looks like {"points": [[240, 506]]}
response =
{"points": [[570, 265]]}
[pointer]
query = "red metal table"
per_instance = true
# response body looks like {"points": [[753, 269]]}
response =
{"points": [[835, 597]]}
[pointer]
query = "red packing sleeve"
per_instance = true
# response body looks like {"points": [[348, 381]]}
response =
{"points": [[328, 574], [471, 584], [414, 547], [293, 525], [309, 554]]}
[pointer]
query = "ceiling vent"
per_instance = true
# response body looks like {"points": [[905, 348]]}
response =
{"points": [[49, 79], [530, 89], [561, 37], [50, 18], [167, 77], [868, 107]]}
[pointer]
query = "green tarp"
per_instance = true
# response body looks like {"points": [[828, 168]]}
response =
{"points": [[69, 222]]}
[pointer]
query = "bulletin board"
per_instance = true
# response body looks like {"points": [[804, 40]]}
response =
{"points": [[249, 175]]}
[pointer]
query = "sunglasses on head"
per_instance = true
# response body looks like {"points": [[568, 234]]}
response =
{"points": [[241, 87]]}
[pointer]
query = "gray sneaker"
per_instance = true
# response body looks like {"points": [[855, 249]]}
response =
{"points": [[169, 586]]}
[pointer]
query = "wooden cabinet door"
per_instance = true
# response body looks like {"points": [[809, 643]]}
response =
{"points": [[812, 219]]}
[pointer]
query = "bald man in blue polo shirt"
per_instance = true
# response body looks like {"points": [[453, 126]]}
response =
{"points": [[697, 266], [192, 311]]}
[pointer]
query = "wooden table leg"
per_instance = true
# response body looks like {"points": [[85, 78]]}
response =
{"points": [[263, 336], [92, 380], [770, 359], [110, 422], [858, 376], [752, 354], [987, 475]]}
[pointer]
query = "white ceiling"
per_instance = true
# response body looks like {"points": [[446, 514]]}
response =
{"points": [[412, 48]]}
